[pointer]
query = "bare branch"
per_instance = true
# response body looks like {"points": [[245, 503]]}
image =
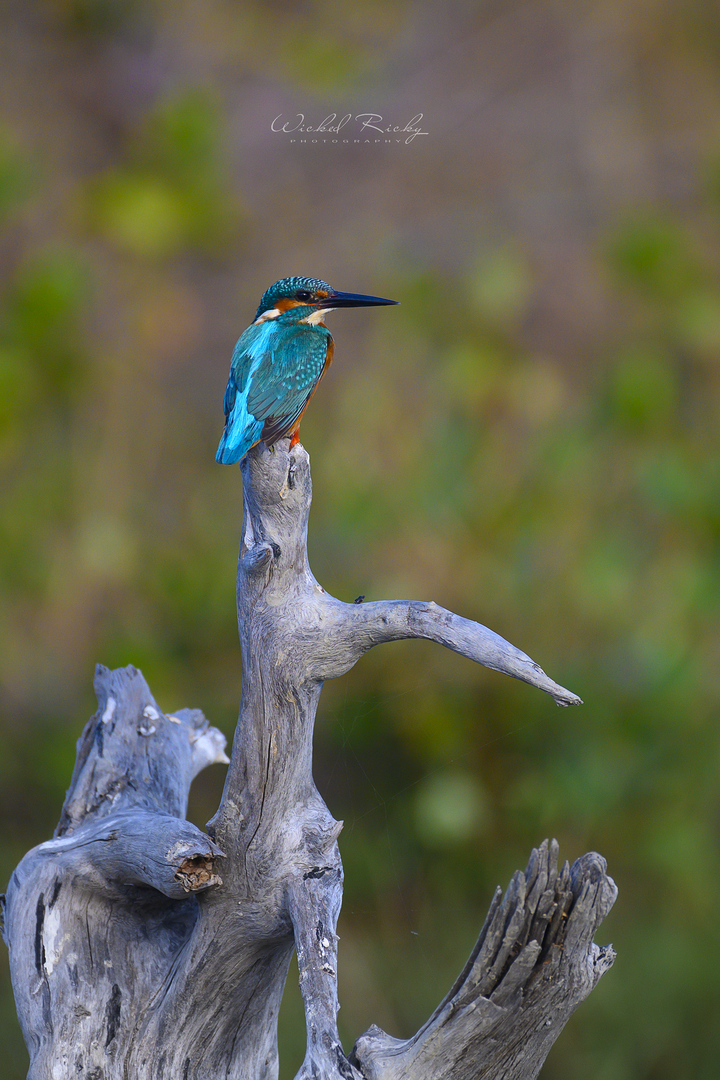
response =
{"points": [[131, 754], [137, 848], [533, 964], [357, 627], [141, 947]]}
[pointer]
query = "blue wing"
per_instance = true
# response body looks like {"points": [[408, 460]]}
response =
{"points": [[275, 368], [242, 430]]}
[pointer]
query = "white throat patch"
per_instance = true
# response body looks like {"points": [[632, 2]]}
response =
{"points": [[317, 316], [266, 315]]}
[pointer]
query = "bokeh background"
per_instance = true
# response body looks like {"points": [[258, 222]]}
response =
{"points": [[530, 440]]}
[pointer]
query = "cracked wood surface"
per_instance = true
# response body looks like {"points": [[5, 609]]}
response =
{"points": [[142, 948], [533, 964]]}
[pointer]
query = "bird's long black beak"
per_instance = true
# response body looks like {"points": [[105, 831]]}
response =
{"points": [[351, 299]]}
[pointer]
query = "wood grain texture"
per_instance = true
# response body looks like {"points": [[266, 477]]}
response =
{"points": [[142, 948], [533, 964]]}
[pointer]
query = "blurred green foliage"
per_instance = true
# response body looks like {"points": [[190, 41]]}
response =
{"points": [[168, 195], [555, 476]]}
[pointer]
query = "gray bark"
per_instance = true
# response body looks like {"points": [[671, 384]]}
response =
{"points": [[142, 948]]}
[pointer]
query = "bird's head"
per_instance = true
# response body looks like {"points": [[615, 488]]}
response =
{"points": [[308, 299]]}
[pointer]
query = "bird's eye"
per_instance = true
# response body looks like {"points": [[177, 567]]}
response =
{"points": [[302, 294]]}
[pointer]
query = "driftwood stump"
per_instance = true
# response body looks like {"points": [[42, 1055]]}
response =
{"points": [[144, 949]]}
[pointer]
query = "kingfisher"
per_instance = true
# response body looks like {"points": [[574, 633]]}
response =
{"points": [[279, 361]]}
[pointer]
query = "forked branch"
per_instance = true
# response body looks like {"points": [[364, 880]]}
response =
{"points": [[141, 947]]}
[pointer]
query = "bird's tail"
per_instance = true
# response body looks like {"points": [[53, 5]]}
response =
{"points": [[227, 454]]}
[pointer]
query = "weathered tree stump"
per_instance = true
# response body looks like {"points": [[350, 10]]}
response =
{"points": [[144, 949]]}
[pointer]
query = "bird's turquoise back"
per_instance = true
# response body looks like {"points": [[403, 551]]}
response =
{"points": [[276, 365]]}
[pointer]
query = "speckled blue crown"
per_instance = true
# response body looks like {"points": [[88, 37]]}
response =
{"points": [[287, 287]]}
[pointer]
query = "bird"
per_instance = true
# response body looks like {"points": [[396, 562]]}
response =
{"points": [[278, 362]]}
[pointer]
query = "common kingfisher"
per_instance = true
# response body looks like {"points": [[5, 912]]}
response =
{"points": [[278, 362]]}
